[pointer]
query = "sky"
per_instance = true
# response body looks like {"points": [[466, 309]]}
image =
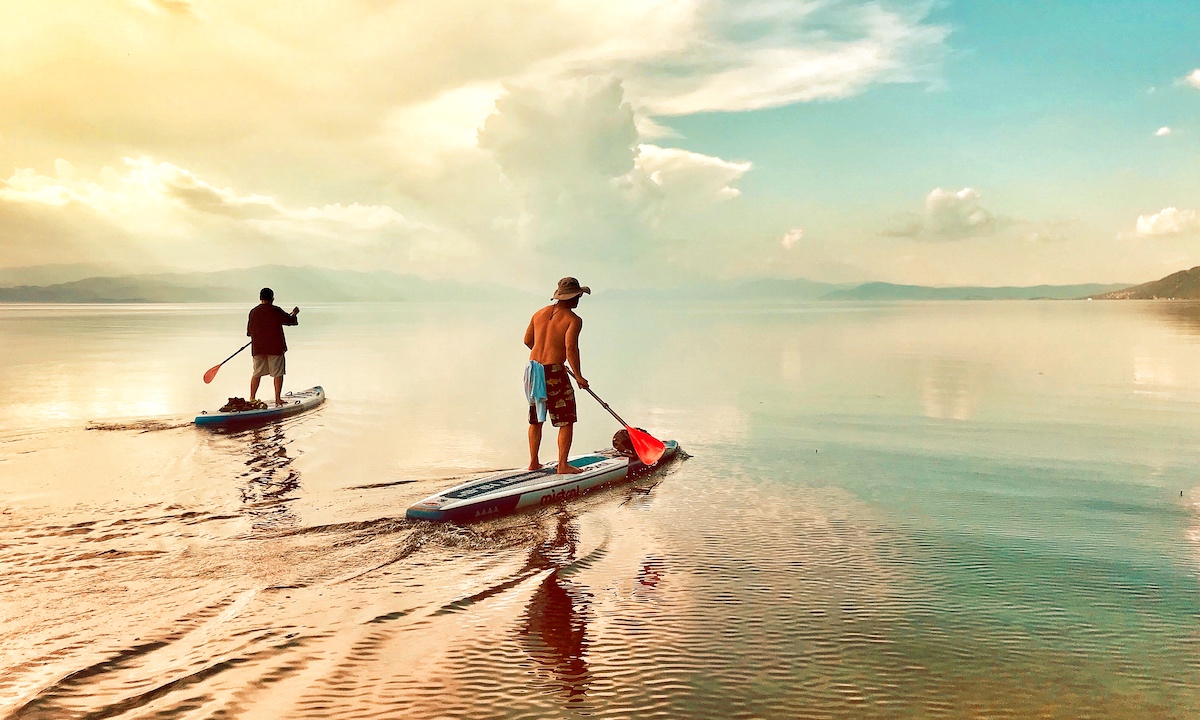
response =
{"points": [[624, 142]]}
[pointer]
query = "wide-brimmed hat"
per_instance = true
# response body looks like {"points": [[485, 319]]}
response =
{"points": [[568, 288]]}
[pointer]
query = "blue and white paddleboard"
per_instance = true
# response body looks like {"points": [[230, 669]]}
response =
{"points": [[293, 403], [512, 490]]}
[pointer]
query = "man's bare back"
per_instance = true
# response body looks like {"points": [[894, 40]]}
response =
{"points": [[553, 338]]}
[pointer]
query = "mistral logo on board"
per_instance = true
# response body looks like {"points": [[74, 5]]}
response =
{"points": [[556, 496]]}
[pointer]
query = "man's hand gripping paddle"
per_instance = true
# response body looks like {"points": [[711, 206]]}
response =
{"points": [[212, 371], [648, 448]]}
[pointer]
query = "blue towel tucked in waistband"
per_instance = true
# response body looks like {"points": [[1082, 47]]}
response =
{"points": [[535, 387]]}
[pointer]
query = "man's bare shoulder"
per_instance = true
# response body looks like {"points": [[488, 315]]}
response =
{"points": [[544, 312]]}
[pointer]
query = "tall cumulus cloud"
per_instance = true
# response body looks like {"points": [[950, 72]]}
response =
{"points": [[587, 188]]}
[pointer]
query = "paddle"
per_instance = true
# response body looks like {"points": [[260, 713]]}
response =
{"points": [[648, 448], [212, 371]]}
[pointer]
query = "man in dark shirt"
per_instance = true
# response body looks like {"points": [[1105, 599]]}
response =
{"points": [[267, 343]]}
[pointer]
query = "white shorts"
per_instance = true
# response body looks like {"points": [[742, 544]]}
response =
{"points": [[272, 365]]}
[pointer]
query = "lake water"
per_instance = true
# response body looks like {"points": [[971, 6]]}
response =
{"points": [[959, 510]]}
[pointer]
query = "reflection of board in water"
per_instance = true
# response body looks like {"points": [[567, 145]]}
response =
{"points": [[270, 480]]}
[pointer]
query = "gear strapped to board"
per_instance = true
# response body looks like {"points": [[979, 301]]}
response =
{"points": [[237, 404], [622, 444]]}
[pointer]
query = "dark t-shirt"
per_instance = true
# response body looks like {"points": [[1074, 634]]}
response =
{"points": [[265, 329]]}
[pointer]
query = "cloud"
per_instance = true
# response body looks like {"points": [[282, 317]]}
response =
{"points": [[565, 133], [1162, 132], [650, 129], [676, 57], [342, 115], [350, 74], [431, 133], [568, 150], [173, 7], [587, 189], [145, 186], [948, 215], [1192, 78], [1168, 221], [158, 209], [691, 175], [578, 186], [571, 137], [957, 215], [791, 237], [737, 56]]}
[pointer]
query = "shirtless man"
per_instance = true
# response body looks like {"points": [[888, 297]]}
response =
{"points": [[553, 339]]}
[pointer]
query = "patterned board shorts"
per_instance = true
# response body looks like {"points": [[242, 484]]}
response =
{"points": [[560, 398]]}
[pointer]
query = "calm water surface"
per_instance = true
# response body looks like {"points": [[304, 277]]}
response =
{"points": [[891, 511]]}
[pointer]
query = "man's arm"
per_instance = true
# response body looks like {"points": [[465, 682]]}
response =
{"points": [[573, 351], [249, 323], [288, 318], [529, 335]]}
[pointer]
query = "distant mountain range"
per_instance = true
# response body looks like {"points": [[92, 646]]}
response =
{"points": [[887, 291], [291, 285], [1183, 285], [79, 283], [38, 275], [767, 289], [791, 290]]}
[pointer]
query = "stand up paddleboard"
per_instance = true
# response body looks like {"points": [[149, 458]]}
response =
{"points": [[511, 490], [293, 404]]}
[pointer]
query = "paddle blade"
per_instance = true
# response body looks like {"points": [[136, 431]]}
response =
{"points": [[649, 449], [212, 373]]}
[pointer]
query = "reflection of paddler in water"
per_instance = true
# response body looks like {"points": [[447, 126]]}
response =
{"points": [[553, 340], [650, 573], [554, 632], [269, 477], [265, 330]]}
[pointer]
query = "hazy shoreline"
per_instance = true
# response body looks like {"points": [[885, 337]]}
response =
{"points": [[310, 284]]}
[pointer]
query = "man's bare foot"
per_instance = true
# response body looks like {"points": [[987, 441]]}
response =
{"points": [[568, 470], [279, 403], [535, 465]]}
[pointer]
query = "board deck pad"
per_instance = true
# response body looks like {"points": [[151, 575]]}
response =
{"points": [[470, 491]]}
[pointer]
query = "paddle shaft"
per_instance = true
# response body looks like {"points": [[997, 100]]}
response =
{"points": [[606, 407], [235, 354], [602, 403]]}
